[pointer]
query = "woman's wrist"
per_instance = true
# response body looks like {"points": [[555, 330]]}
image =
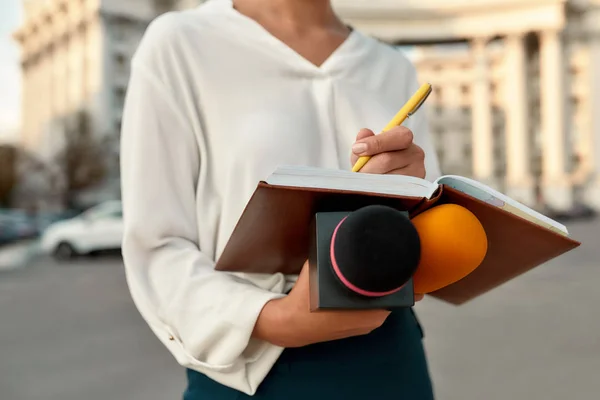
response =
{"points": [[273, 323]]}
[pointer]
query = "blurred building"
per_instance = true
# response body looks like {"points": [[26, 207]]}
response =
{"points": [[184, 4], [75, 61], [516, 81], [75, 56], [517, 88]]}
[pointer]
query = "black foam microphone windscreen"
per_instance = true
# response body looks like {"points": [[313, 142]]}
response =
{"points": [[375, 251]]}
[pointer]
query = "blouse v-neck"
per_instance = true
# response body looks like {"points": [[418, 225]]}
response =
{"points": [[351, 48]]}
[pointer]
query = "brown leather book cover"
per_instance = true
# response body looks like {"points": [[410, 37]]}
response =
{"points": [[515, 246], [272, 235]]}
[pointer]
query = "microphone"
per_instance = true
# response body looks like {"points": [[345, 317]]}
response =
{"points": [[377, 257], [375, 251], [453, 244]]}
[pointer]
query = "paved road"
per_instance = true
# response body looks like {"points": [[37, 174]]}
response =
{"points": [[70, 332], [535, 338], [17, 255]]}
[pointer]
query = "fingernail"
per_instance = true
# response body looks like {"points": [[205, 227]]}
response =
{"points": [[359, 148]]}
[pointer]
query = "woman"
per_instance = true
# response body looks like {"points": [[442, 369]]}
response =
{"points": [[219, 97]]}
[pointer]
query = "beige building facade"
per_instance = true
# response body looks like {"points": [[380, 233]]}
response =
{"points": [[517, 88], [75, 63], [75, 58], [516, 102]]}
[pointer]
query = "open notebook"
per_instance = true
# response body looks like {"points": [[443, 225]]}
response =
{"points": [[319, 178], [273, 234]]}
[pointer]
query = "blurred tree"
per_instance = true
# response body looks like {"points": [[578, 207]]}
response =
{"points": [[81, 158], [8, 172]]}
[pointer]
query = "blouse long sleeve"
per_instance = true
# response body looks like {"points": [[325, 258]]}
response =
{"points": [[204, 317]]}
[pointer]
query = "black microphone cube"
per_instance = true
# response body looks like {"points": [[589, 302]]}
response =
{"points": [[326, 290]]}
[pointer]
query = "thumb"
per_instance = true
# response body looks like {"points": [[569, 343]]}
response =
{"points": [[303, 277], [362, 134]]}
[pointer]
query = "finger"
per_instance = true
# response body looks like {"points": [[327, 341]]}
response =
{"points": [[386, 162], [303, 277], [362, 134], [416, 170], [410, 162], [303, 272], [416, 164], [419, 297], [399, 138]]}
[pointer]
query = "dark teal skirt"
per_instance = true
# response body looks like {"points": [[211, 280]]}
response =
{"points": [[389, 363]]}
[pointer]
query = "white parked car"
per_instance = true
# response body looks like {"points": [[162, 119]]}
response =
{"points": [[98, 228]]}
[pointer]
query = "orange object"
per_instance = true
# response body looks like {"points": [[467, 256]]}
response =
{"points": [[453, 244]]}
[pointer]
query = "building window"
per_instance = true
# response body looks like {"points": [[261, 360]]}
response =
{"points": [[117, 31], [467, 152], [120, 97], [120, 62], [120, 59], [120, 27]]}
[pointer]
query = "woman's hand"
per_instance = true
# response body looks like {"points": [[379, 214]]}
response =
{"points": [[392, 152], [288, 322]]}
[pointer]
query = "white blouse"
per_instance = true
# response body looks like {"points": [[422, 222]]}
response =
{"points": [[214, 105]]}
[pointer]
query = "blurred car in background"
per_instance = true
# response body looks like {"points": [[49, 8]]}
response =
{"points": [[16, 225], [45, 219], [99, 228]]}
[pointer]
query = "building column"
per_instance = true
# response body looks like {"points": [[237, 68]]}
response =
{"points": [[481, 114], [453, 140], [592, 192], [556, 187], [519, 182]]}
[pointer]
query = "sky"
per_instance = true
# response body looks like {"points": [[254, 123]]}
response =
{"points": [[10, 78]]}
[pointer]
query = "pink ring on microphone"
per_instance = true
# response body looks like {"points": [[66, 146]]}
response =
{"points": [[345, 281]]}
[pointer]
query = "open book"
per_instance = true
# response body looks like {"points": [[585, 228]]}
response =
{"points": [[319, 178], [273, 234]]}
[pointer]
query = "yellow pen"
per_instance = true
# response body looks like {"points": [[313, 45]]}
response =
{"points": [[411, 107]]}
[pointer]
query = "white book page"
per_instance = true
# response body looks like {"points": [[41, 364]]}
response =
{"points": [[323, 178], [485, 193]]}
